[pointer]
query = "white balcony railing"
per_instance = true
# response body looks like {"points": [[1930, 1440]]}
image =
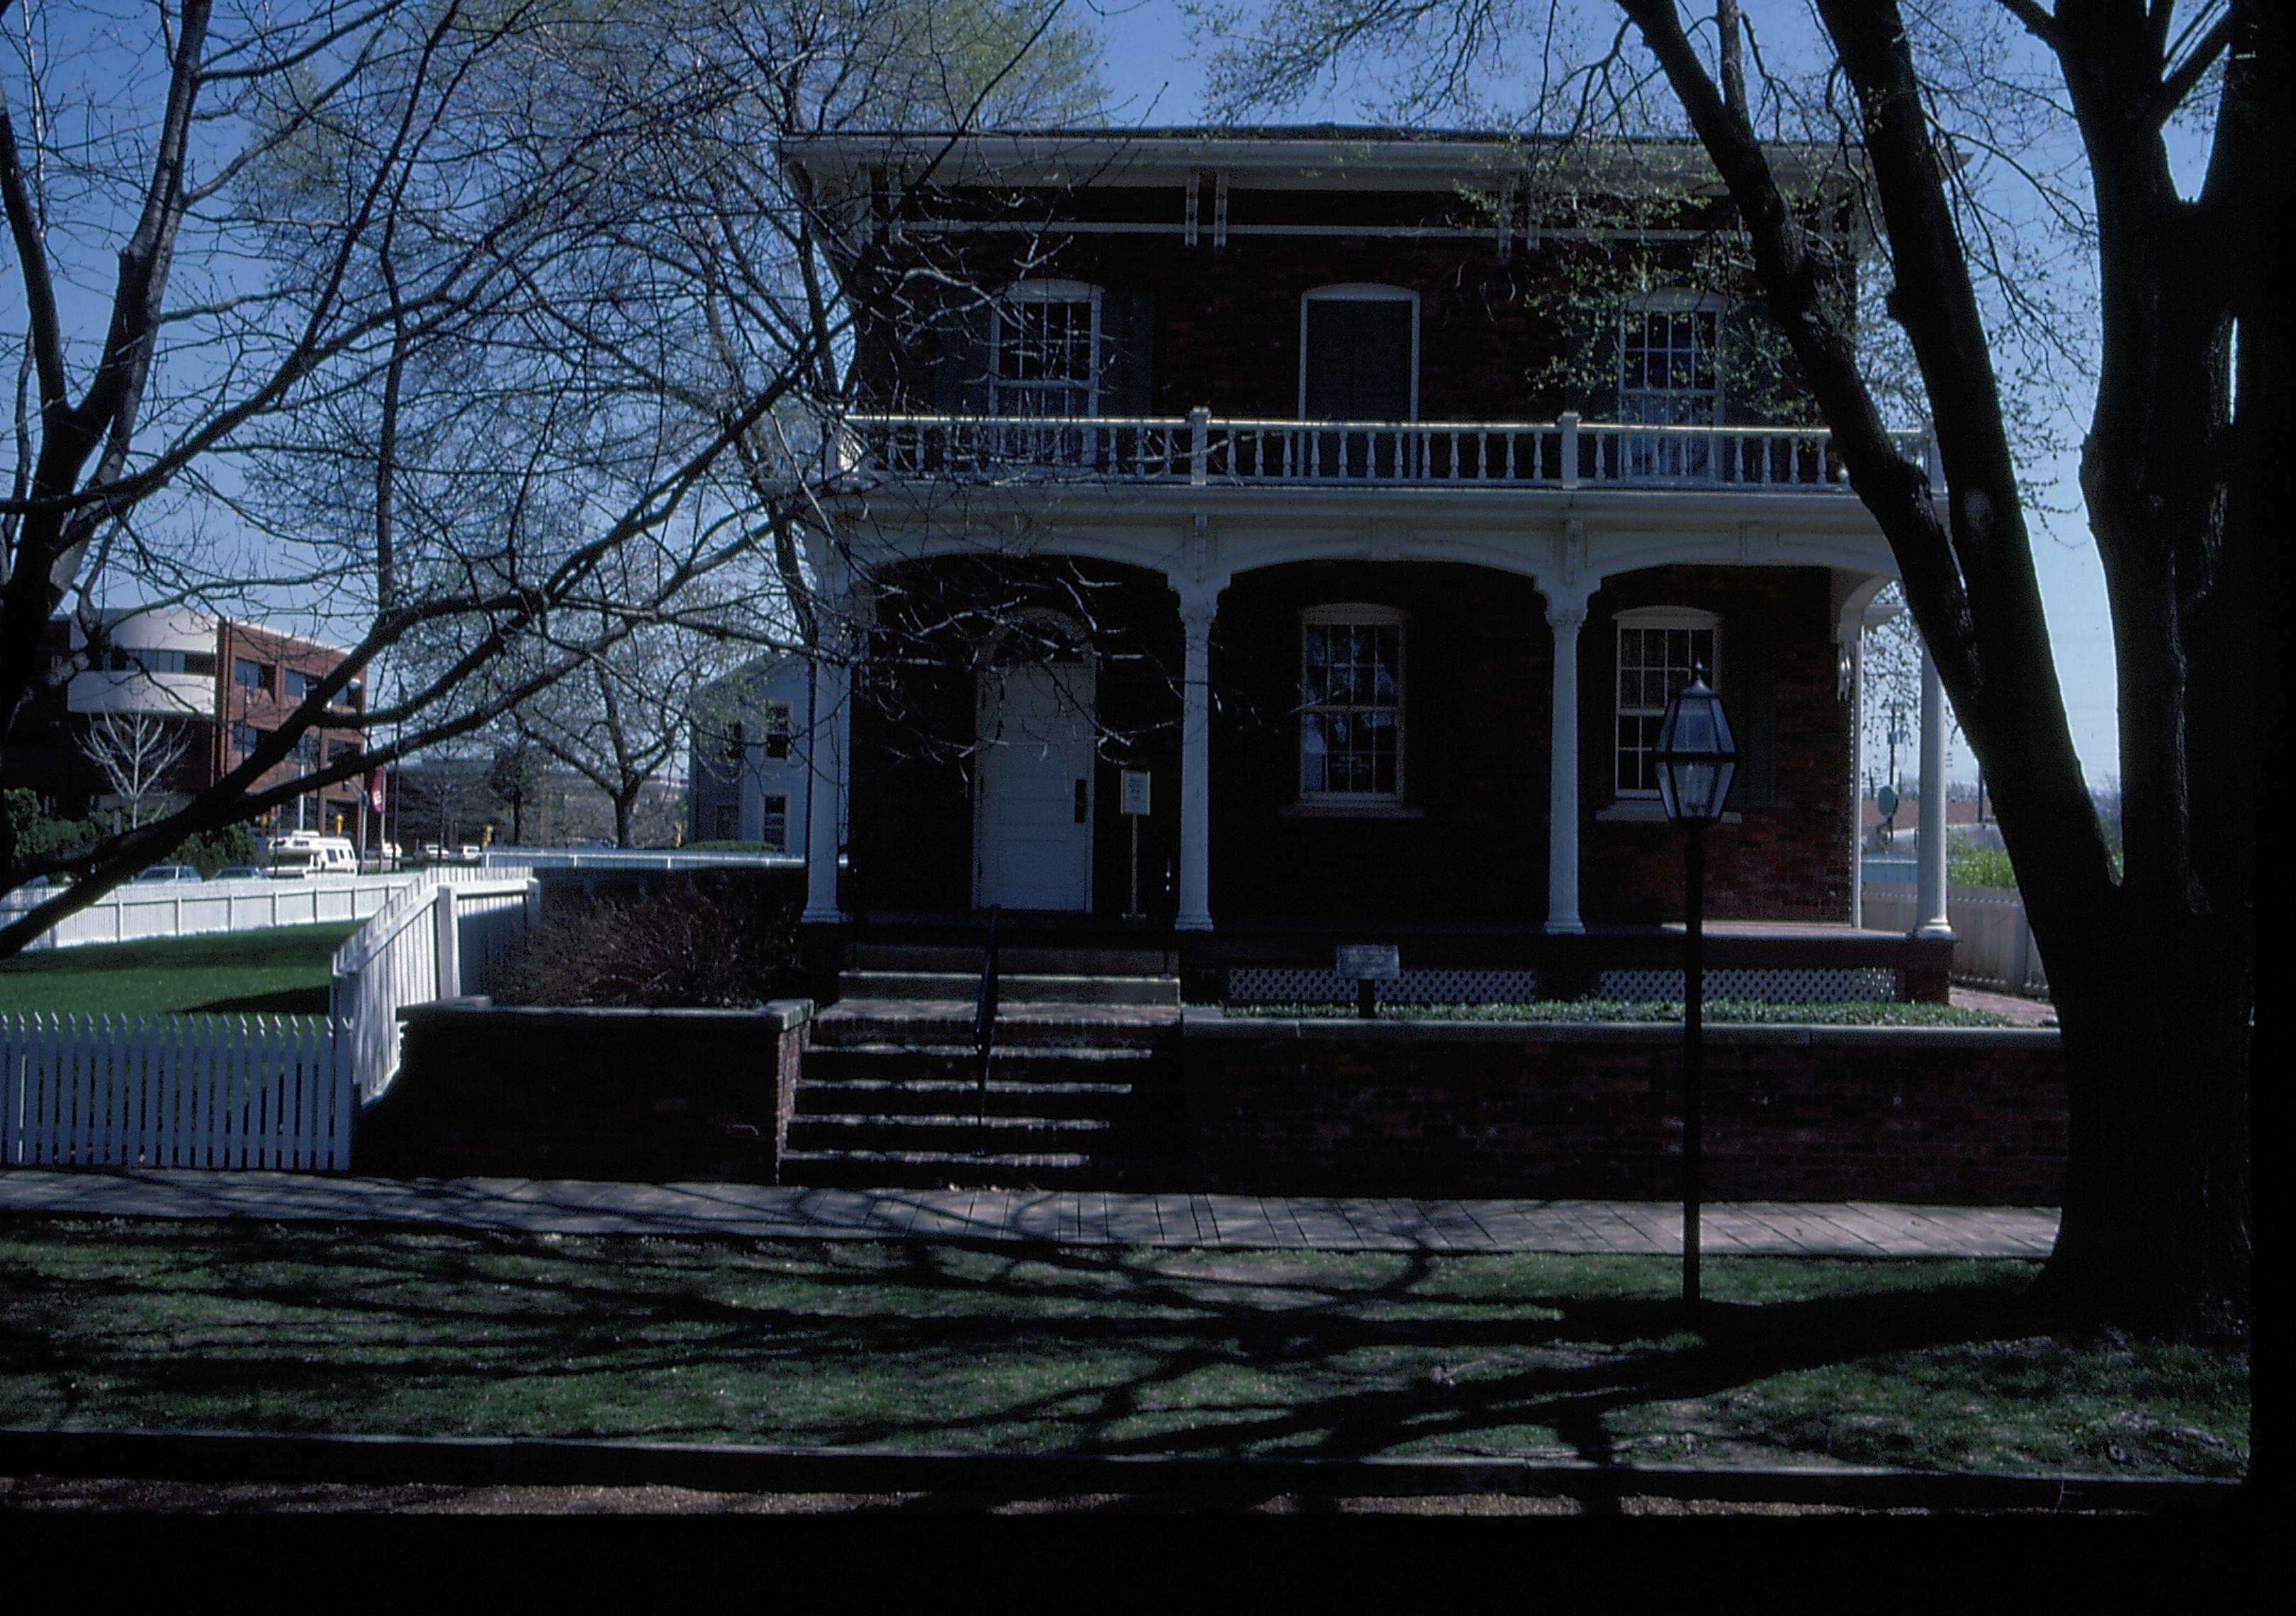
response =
{"points": [[1201, 449]]}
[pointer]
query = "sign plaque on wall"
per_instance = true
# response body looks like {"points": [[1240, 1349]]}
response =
{"points": [[1370, 962]]}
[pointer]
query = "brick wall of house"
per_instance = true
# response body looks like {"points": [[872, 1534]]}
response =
{"points": [[1948, 1116], [1478, 667], [650, 1096], [1223, 323], [1787, 856], [1472, 843], [914, 723]]}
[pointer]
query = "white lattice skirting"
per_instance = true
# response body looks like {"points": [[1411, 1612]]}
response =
{"points": [[1776, 987], [1282, 985]]}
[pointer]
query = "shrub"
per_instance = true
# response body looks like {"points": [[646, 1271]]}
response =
{"points": [[1853, 1013], [1968, 864], [692, 941], [39, 832]]}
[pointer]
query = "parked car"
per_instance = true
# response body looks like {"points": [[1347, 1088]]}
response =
{"points": [[160, 872], [240, 872], [301, 853]]}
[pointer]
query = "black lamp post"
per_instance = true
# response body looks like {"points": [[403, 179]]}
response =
{"points": [[1696, 761]]}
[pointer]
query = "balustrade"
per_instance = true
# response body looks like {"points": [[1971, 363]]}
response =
{"points": [[1200, 449]]}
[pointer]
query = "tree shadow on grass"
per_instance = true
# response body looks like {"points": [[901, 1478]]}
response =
{"points": [[287, 1001], [915, 1345]]}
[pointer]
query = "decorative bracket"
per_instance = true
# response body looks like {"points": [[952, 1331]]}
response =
{"points": [[1572, 548]]}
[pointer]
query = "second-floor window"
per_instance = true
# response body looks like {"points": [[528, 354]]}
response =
{"points": [[777, 730], [1670, 374], [1360, 354], [1047, 348], [250, 675]]}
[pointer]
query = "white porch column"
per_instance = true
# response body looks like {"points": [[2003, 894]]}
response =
{"points": [[827, 748], [1565, 615], [1929, 908], [1195, 914], [1856, 652]]}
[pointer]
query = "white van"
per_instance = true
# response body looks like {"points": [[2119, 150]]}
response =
{"points": [[300, 853]]}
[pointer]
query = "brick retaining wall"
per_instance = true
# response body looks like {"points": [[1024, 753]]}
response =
{"points": [[1946, 1115], [648, 1096]]}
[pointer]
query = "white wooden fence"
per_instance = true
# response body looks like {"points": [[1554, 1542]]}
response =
{"points": [[266, 1092], [1993, 943], [197, 1091], [434, 941], [132, 913], [497, 859]]}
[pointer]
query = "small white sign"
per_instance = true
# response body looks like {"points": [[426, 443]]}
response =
{"points": [[1376, 961], [1136, 790]]}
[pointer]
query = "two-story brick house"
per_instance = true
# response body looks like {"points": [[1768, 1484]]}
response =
{"points": [[1368, 506]]}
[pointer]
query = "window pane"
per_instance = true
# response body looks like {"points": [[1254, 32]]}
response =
{"points": [[1352, 689]]}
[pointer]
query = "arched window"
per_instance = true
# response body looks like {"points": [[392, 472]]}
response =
{"points": [[1657, 646], [1047, 346]]}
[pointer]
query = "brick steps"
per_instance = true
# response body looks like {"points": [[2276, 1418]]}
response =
{"points": [[1081, 1091]]}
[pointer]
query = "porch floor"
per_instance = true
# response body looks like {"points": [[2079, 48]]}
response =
{"points": [[1850, 1228], [1565, 967]]}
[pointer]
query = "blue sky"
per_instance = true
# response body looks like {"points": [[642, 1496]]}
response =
{"points": [[1154, 78]]}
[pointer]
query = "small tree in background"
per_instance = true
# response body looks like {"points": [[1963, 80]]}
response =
{"points": [[138, 752]]}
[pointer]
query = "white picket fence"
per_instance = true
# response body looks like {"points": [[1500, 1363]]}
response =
{"points": [[1993, 943], [198, 1091], [435, 940], [265, 1092], [133, 913]]}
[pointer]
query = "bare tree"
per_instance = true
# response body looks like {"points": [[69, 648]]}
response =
{"points": [[422, 314], [137, 752], [2001, 196]]}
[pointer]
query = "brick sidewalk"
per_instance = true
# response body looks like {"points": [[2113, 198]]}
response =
{"points": [[1067, 1217]]}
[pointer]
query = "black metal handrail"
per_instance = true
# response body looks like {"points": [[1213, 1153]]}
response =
{"points": [[984, 1014]]}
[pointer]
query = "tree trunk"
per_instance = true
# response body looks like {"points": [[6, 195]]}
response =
{"points": [[2155, 1236], [625, 806], [2152, 974]]}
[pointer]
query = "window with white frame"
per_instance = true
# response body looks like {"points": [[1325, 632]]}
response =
{"points": [[1048, 350], [1658, 647], [776, 718], [1360, 353], [1670, 374], [773, 822], [1351, 706]]}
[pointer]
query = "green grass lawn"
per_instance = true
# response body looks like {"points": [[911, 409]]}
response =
{"points": [[281, 972], [121, 1323]]}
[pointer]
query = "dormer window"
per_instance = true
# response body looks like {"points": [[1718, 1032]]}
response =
{"points": [[1047, 346]]}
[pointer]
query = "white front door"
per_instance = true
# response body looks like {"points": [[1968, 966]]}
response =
{"points": [[1033, 821]]}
